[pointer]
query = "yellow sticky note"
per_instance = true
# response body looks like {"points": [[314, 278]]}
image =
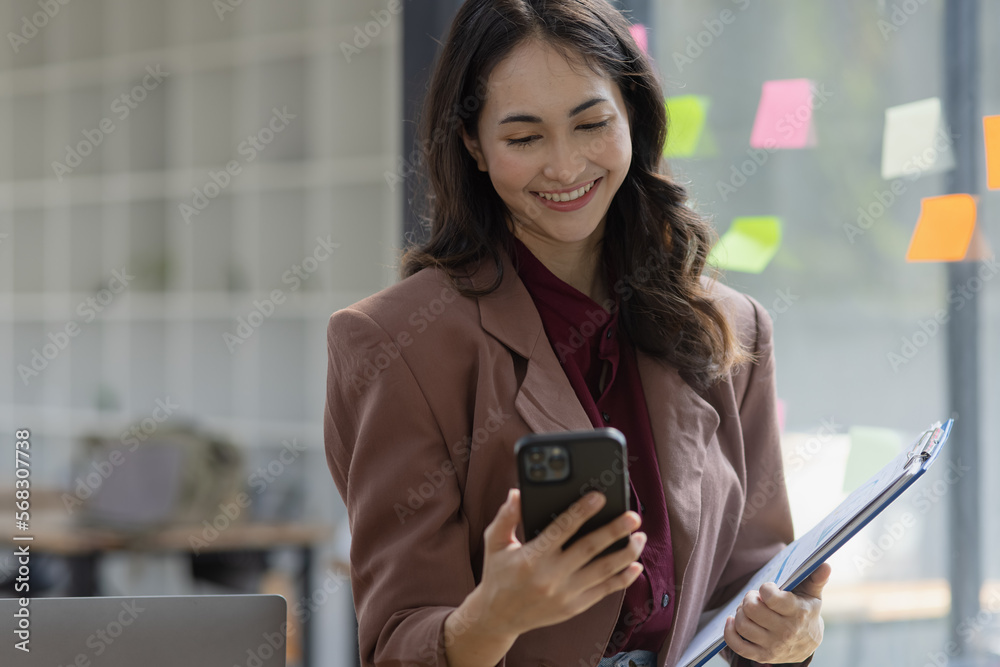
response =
{"points": [[748, 245], [991, 132], [871, 449], [686, 116], [944, 229]]}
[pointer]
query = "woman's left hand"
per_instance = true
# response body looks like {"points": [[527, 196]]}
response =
{"points": [[774, 626]]}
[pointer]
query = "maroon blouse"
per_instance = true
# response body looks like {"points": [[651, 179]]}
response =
{"points": [[586, 337]]}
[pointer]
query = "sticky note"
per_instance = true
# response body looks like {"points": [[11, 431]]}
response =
{"points": [[784, 115], [915, 140], [944, 229], [640, 36], [686, 115], [748, 245], [871, 449], [991, 133]]}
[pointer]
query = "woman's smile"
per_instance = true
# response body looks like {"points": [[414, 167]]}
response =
{"points": [[569, 199]]}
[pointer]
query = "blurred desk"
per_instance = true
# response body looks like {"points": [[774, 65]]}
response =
{"points": [[83, 546]]}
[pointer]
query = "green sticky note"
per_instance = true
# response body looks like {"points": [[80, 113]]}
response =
{"points": [[749, 245], [871, 449], [686, 116]]}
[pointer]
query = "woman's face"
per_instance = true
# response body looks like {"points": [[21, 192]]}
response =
{"points": [[552, 131]]}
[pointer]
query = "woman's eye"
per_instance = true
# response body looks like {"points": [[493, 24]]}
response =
{"points": [[522, 141]]}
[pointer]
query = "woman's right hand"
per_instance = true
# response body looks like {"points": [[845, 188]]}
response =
{"points": [[532, 585]]}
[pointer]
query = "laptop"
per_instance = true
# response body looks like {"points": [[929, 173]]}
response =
{"points": [[161, 631]]}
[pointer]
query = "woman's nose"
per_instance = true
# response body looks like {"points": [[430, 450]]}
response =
{"points": [[566, 162]]}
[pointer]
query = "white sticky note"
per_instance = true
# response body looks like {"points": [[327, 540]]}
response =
{"points": [[916, 140]]}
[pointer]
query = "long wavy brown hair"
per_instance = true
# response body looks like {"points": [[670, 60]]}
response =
{"points": [[667, 311]]}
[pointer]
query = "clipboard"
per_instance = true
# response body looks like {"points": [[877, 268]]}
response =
{"points": [[797, 561]]}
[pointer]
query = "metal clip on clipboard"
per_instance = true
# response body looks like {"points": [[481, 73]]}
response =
{"points": [[925, 444]]}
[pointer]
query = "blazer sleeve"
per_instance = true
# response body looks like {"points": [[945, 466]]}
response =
{"points": [[410, 561], [766, 525]]}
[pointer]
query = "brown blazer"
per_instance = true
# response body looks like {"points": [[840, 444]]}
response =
{"points": [[427, 392]]}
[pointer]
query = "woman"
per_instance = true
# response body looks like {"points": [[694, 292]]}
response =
{"points": [[559, 290]]}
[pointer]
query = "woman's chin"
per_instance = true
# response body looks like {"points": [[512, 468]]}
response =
{"points": [[565, 234]]}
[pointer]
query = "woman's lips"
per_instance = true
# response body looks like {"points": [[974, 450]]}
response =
{"points": [[574, 204]]}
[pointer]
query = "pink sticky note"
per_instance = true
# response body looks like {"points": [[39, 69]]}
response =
{"points": [[641, 38], [784, 117], [781, 415]]}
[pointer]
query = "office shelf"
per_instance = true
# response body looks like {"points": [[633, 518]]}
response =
{"points": [[320, 179]]}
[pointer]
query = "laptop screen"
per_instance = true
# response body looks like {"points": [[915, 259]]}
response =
{"points": [[161, 631]]}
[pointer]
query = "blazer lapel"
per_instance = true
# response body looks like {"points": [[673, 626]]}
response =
{"points": [[545, 400], [683, 423]]}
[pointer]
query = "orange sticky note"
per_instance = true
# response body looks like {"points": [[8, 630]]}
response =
{"points": [[991, 132], [944, 229]]}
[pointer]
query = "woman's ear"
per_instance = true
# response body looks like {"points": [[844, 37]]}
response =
{"points": [[472, 145]]}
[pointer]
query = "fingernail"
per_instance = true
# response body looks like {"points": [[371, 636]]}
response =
{"points": [[596, 499]]}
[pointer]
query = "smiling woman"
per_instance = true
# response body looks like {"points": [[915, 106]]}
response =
{"points": [[578, 303], [572, 160], [563, 84]]}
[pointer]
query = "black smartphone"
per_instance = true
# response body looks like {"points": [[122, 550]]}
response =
{"points": [[555, 470]]}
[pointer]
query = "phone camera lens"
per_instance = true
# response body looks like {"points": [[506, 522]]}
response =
{"points": [[536, 456], [557, 461], [536, 472]]}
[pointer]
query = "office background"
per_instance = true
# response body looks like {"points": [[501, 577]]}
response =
{"points": [[255, 135]]}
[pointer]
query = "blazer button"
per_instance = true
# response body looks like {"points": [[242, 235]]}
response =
{"points": [[606, 417], [666, 600]]}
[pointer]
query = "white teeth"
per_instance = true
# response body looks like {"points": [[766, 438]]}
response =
{"points": [[568, 196]]}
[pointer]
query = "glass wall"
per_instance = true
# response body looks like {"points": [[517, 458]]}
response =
{"points": [[861, 361]]}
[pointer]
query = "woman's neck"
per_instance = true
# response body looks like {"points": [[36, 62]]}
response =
{"points": [[579, 265]]}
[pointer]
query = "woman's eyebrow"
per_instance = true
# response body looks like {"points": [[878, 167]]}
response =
{"points": [[528, 118]]}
